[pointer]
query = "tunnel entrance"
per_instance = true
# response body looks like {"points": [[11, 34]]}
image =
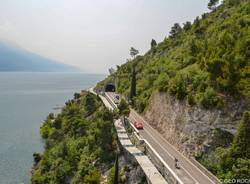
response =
{"points": [[110, 88]]}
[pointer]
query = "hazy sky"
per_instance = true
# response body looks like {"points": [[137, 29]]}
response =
{"points": [[92, 34]]}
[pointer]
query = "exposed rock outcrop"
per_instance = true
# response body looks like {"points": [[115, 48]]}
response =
{"points": [[192, 129]]}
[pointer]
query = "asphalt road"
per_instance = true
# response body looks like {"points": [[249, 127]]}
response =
{"points": [[188, 172]]}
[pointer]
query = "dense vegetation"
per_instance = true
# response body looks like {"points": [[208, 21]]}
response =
{"points": [[234, 162], [79, 143], [205, 62], [232, 157]]}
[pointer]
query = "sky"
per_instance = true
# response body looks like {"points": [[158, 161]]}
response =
{"points": [[93, 35]]}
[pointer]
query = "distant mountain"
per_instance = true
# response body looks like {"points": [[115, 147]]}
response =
{"points": [[13, 58]]}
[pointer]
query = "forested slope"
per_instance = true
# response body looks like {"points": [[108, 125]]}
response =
{"points": [[207, 62], [80, 143], [194, 87]]}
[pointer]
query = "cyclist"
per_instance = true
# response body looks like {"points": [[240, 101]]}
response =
{"points": [[176, 163]]}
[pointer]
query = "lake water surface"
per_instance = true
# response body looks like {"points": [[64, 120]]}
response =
{"points": [[25, 101]]}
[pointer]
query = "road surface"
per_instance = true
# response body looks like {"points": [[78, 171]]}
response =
{"points": [[188, 172]]}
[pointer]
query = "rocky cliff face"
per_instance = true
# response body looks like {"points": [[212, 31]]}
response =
{"points": [[194, 130]]}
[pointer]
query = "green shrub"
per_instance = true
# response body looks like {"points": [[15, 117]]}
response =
{"points": [[141, 105], [234, 162], [84, 141], [93, 177], [210, 98], [162, 82], [178, 86]]}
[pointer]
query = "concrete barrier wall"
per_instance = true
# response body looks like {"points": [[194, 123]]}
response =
{"points": [[135, 156], [132, 160], [156, 159], [163, 168]]}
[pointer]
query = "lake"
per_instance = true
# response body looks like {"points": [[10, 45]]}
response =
{"points": [[25, 101]]}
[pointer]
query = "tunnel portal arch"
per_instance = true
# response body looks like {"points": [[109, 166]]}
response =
{"points": [[110, 88]]}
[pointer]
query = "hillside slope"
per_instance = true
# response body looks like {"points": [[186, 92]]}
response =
{"points": [[206, 62], [80, 146], [13, 58], [195, 85], [79, 142]]}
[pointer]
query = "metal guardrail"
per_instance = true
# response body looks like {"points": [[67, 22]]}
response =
{"points": [[163, 167], [160, 164], [110, 100]]}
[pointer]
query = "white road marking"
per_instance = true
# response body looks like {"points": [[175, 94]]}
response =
{"points": [[174, 149], [172, 157], [160, 136]]}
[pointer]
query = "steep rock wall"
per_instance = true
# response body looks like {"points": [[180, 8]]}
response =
{"points": [[191, 129]]}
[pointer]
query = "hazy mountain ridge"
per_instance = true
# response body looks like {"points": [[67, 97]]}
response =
{"points": [[13, 58]]}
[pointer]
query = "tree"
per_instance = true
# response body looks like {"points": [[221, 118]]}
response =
{"points": [[234, 161], [76, 148], [51, 116], [204, 15], [116, 176], [162, 82], [111, 71], [89, 103], [212, 4], [118, 67], [210, 98], [133, 85], [175, 30], [123, 109], [193, 48], [197, 22], [233, 77], [187, 26], [241, 168], [93, 177], [153, 43], [37, 157], [241, 143], [133, 52], [63, 150], [76, 96], [214, 67]]}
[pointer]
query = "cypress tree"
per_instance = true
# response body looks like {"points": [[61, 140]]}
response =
{"points": [[116, 176], [133, 85], [241, 144], [153, 44]]}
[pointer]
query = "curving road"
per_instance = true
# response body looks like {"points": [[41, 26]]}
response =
{"points": [[188, 172]]}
